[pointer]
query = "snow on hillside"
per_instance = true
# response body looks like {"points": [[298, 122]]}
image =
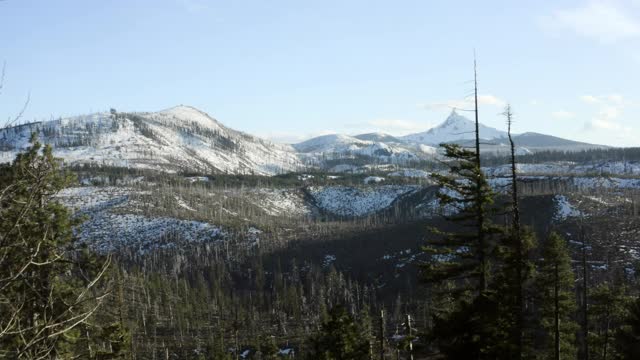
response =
{"points": [[343, 146], [107, 226], [281, 202], [344, 168], [330, 143], [411, 173], [455, 127], [180, 138], [109, 231], [567, 168], [605, 182], [353, 201], [379, 137], [372, 180], [564, 209]]}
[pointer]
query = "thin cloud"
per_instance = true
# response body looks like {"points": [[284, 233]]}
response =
{"points": [[590, 99], [396, 125], [609, 110], [467, 103], [293, 138], [604, 21], [193, 6], [563, 115]]}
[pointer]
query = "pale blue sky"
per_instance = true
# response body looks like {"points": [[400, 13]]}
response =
{"points": [[291, 69]]}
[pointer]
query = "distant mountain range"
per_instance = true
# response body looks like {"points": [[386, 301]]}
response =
{"points": [[455, 129], [184, 138]]}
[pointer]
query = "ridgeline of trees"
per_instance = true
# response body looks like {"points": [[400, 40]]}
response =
{"points": [[583, 156]]}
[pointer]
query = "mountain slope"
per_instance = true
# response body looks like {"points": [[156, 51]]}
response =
{"points": [[337, 146], [181, 138], [330, 143], [456, 127], [379, 137], [533, 140]]}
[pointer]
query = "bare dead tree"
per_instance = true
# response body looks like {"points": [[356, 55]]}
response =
{"points": [[517, 234], [13, 120]]}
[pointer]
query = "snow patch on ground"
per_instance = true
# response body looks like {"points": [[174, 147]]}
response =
{"points": [[411, 173], [109, 225], [183, 204], [281, 202], [373, 180], [564, 209], [354, 201], [628, 168]]}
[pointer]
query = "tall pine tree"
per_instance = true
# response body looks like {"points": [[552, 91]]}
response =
{"points": [[557, 304], [460, 264], [628, 337]]}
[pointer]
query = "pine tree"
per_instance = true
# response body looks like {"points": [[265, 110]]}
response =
{"points": [[628, 337], [608, 308], [463, 255], [49, 288], [555, 289], [339, 338], [268, 348], [461, 262]]}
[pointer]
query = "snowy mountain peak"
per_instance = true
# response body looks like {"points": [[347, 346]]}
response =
{"points": [[454, 119], [456, 127], [188, 114]]}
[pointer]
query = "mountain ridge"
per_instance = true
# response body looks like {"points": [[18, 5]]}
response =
{"points": [[181, 138], [184, 138]]}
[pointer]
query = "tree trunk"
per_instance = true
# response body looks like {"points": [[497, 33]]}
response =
{"points": [[556, 312]]}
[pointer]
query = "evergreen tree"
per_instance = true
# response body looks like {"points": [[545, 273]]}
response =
{"points": [[49, 289], [339, 338], [461, 262], [608, 308], [463, 256], [628, 337], [555, 289], [268, 348]]}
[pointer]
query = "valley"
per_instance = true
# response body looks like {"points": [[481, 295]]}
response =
{"points": [[186, 203]]}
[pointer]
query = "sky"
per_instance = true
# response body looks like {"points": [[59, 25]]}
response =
{"points": [[290, 69]]}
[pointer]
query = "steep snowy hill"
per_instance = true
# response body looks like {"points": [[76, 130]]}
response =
{"points": [[455, 127], [181, 138]]}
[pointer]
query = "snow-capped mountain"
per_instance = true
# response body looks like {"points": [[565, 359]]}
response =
{"points": [[181, 138], [456, 127], [379, 137], [337, 146], [330, 143]]}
